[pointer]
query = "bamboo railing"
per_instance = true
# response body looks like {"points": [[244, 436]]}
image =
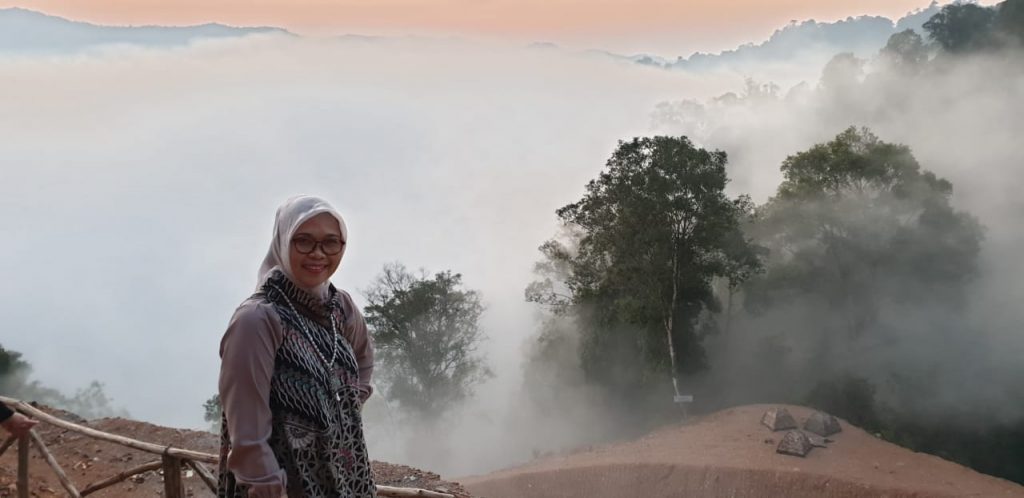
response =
{"points": [[171, 460]]}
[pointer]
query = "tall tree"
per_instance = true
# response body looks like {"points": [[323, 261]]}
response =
{"points": [[842, 74], [962, 27], [646, 241], [88, 402], [426, 333], [212, 413], [857, 222], [1009, 21], [905, 51], [92, 402], [14, 371]]}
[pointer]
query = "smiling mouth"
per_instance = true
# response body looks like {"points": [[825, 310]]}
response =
{"points": [[314, 268]]}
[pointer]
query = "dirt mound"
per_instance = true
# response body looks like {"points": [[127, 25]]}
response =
{"points": [[730, 453], [87, 460]]}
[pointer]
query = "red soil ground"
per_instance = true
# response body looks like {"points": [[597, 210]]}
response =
{"points": [[730, 454], [724, 454]]}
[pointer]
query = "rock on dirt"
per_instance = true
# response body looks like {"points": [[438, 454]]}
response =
{"points": [[795, 443], [778, 419], [822, 424]]}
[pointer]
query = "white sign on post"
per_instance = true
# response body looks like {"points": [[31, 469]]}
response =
{"points": [[681, 400]]}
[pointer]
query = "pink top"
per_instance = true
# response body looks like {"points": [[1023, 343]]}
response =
{"points": [[247, 363]]}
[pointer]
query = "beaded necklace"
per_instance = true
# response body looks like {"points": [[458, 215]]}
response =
{"points": [[309, 336]]}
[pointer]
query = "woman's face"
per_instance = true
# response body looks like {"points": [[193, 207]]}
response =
{"points": [[316, 267]]}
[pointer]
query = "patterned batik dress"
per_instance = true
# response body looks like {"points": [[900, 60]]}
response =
{"points": [[317, 432]]}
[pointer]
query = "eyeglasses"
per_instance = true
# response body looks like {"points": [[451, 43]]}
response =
{"points": [[306, 245]]}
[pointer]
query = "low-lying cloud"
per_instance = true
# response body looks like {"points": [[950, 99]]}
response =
{"points": [[139, 187]]}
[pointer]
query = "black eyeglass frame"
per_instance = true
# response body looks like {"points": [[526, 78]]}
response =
{"points": [[316, 244]]}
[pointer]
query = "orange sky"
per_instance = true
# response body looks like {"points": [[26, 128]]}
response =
{"points": [[668, 27]]}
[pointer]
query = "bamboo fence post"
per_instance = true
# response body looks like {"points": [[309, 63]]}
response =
{"points": [[405, 492], [155, 449], [7, 444], [172, 477], [96, 486], [23, 466], [204, 474], [61, 476]]}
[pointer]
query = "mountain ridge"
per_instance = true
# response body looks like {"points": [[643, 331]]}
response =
{"points": [[862, 35], [28, 31]]}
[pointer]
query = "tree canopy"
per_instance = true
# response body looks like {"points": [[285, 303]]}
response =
{"points": [[961, 28], [88, 402], [905, 51], [856, 222], [426, 332], [645, 243]]}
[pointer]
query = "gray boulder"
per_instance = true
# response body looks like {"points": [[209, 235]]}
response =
{"points": [[778, 419], [822, 424], [795, 443]]}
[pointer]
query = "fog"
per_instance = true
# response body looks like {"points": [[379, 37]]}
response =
{"points": [[139, 187], [962, 121]]}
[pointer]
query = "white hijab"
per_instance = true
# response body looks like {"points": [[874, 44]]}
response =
{"points": [[290, 215]]}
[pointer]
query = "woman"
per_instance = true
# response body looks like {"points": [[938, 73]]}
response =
{"points": [[296, 364]]}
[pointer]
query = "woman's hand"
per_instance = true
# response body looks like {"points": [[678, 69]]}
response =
{"points": [[18, 424]]}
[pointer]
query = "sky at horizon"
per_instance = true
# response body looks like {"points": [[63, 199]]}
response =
{"points": [[663, 27]]}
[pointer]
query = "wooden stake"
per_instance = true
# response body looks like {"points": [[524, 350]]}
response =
{"points": [[23, 466], [172, 478], [205, 475], [405, 492], [110, 481], [61, 476]]}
